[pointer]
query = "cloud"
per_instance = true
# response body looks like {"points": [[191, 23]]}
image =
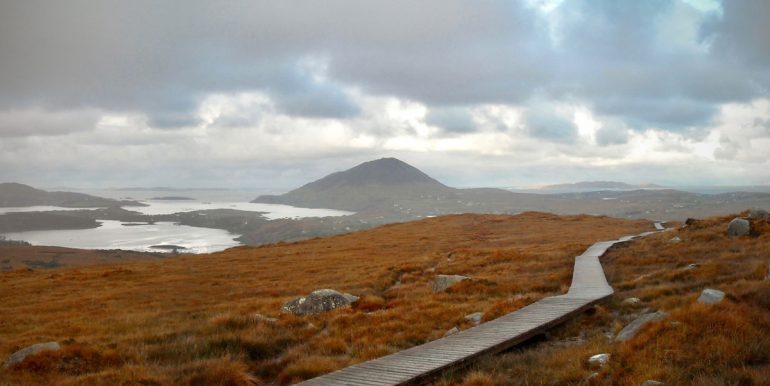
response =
{"points": [[37, 122]]}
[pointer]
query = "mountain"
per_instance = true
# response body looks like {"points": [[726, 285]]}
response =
{"points": [[370, 185], [600, 185], [19, 195]]}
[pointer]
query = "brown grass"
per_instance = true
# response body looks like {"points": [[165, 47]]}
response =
{"points": [[194, 319], [724, 344]]}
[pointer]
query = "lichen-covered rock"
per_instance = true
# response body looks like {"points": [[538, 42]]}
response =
{"points": [[738, 227], [442, 282], [632, 328], [19, 356], [452, 331], [319, 301], [711, 296]]}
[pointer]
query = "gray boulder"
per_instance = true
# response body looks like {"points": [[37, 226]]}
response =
{"points": [[442, 282], [675, 239], [711, 296], [632, 328], [599, 359], [19, 356], [631, 301], [475, 317], [738, 227], [319, 301]]}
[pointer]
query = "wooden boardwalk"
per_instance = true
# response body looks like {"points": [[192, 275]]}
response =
{"points": [[423, 363]]}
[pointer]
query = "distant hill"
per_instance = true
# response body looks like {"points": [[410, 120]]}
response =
{"points": [[600, 185], [373, 184], [19, 195]]}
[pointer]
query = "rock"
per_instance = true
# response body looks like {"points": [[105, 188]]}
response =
{"points": [[650, 382], [759, 214], [631, 301], [475, 317], [599, 359], [691, 266], [711, 296], [675, 239], [738, 227], [319, 301], [442, 282], [19, 356], [632, 328], [452, 331]]}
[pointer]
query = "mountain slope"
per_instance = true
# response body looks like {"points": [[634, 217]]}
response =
{"points": [[370, 185], [18, 195]]}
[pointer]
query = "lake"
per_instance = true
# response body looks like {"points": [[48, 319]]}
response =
{"points": [[114, 235]]}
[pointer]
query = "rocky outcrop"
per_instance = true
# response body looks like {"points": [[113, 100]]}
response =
{"points": [[442, 282], [19, 356], [319, 301], [633, 328], [711, 296], [738, 227]]}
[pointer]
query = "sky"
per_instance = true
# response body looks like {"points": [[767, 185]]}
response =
{"points": [[252, 94]]}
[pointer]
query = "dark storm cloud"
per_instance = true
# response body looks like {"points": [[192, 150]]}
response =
{"points": [[163, 58]]}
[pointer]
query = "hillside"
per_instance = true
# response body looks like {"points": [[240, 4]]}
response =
{"points": [[370, 185], [19, 195], [599, 185], [36, 257], [196, 319]]}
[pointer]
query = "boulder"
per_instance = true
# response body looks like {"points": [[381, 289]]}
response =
{"points": [[319, 301], [442, 282], [675, 239], [475, 317], [759, 214], [711, 296], [632, 328], [19, 356], [599, 359], [691, 266], [452, 331], [650, 382], [631, 301], [738, 227]]}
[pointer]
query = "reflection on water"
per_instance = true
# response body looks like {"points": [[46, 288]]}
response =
{"points": [[270, 211], [114, 235]]}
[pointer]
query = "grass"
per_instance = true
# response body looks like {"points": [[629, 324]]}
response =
{"points": [[723, 344], [205, 319]]}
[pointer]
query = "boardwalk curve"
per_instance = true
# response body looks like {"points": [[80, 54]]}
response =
{"points": [[422, 363]]}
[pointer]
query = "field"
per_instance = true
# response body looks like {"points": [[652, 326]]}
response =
{"points": [[206, 319], [723, 344]]}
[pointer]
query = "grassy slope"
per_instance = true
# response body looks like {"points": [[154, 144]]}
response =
{"points": [[191, 320], [725, 344], [27, 256]]}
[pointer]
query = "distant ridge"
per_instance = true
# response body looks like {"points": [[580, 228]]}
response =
{"points": [[369, 185], [584, 185], [18, 195]]}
